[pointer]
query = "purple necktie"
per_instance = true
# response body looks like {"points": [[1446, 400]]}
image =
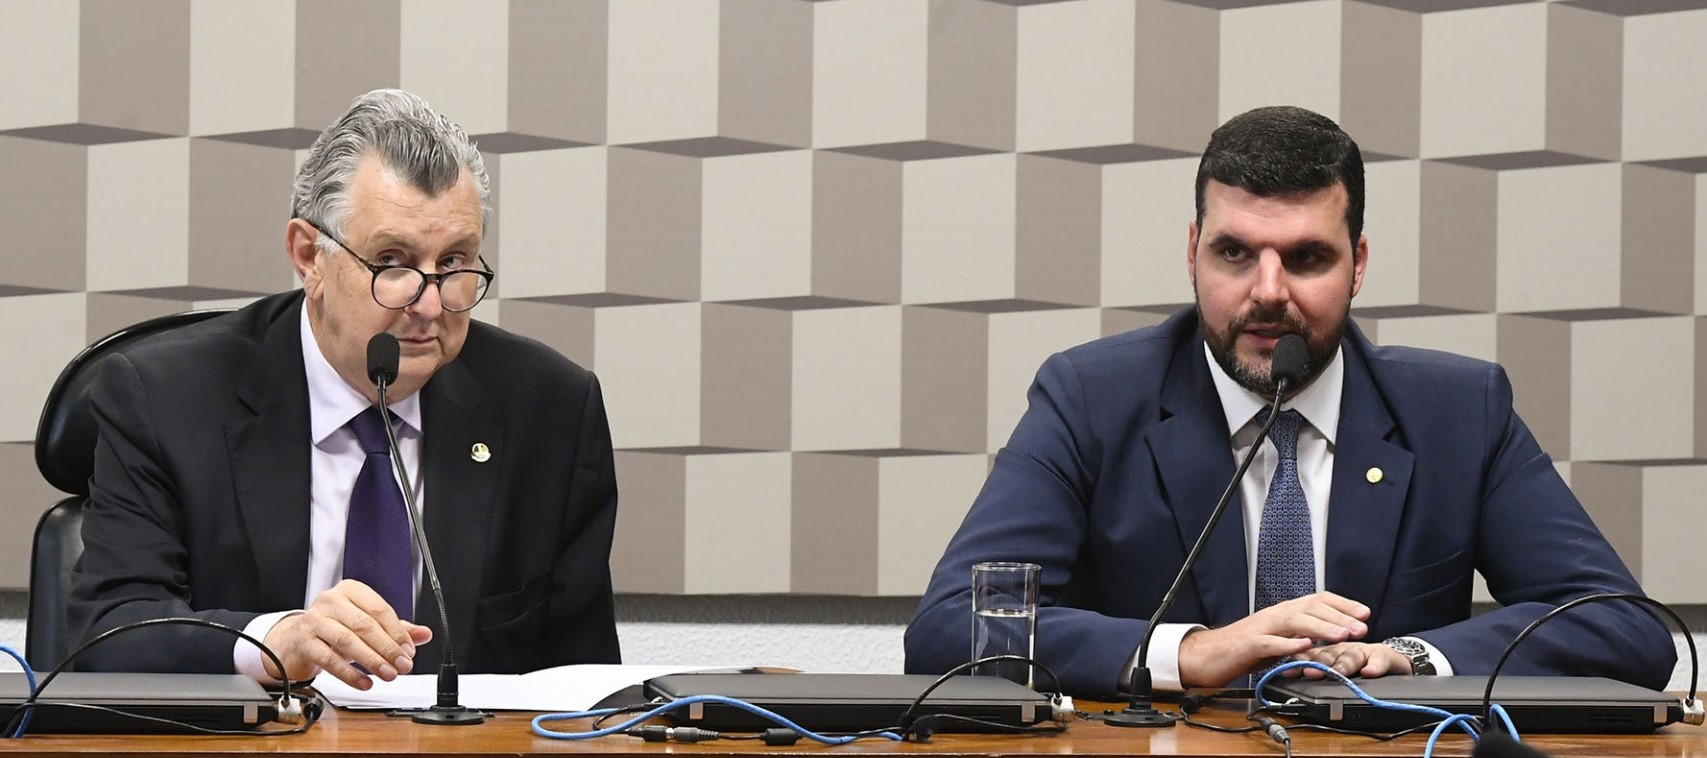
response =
{"points": [[377, 547], [1286, 558]]}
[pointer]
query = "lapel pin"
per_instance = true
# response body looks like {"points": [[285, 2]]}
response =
{"points": [[1373, 475], [481, 454]]}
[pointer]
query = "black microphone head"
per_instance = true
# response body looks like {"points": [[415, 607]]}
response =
{"points": [[1289, 361], [382, 357]]}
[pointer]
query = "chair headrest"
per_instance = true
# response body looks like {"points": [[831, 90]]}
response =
{"points": [[65, 436]]}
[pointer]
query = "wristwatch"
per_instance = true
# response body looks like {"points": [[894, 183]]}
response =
{"points": [[1411, 648]]}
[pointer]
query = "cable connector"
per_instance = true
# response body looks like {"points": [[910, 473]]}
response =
{"points": [[289, 709], [1060, 708], [674, 733], [777, 737], [1275, 731], [1693, 712]]}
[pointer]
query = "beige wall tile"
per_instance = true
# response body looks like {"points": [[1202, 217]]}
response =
{"points": [[1665, 86], [1147, 210], [847, 378], [469, 81], [663, 70], [39, 63], [1081, 99], [921, 500], [756, 221], [139, 213], [738, 523], [868, 72], [553, 212], [648, 359], [957, 229], [1631, 388], [1392, 220], [1019, 343], [1281, 54], [242, 65], [1559, 226], [35, 356], [1491, 102]]}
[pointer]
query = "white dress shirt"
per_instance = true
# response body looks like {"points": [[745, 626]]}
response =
{"points": [[1319, 404], [335, 458]]}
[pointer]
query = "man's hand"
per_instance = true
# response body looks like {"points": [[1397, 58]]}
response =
{"points": [[1365, 659], [1214, 657], [347, 624]]}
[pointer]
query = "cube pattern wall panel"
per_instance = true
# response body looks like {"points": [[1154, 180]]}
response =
{"points": [[816, 250]]}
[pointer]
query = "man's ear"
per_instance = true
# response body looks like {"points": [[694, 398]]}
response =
{"points": [[1359, 262], [1191, 252], [300, 237]]}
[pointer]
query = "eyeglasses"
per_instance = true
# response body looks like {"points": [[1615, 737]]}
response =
{"points": [[397, 287]]}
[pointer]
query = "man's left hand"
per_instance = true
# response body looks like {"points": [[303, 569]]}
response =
{"points": [[1365, 659]]}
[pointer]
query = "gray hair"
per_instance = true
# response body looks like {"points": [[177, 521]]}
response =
{"points": [[407, 135]]}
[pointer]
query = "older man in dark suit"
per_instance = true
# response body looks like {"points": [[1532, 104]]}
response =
{"points": [[241, 475]]}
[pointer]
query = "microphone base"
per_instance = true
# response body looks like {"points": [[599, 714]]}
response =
{"points": [[443, 715], [1140, 717]]}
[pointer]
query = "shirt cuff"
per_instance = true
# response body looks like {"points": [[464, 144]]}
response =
{"points": [[1164, 657], [1442, 666], [246, 658]]}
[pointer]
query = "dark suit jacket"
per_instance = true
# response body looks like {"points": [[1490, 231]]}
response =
{"points": [[1114, 468], [200, 497]]}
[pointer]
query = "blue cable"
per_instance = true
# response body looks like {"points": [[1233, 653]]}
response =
{"points": [[1463, 720], [1355, 690], [30, 678], [1510, 728], [777, 718]]}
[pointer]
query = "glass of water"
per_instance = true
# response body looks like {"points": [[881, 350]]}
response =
{"points": [[1004, 616]]}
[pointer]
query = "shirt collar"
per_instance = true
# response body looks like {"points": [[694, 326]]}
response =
{"points": [[332, 402], [1318, 403]]}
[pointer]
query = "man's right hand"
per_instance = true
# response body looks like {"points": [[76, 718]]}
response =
{"points": [[348, 624], [1214, 657]]}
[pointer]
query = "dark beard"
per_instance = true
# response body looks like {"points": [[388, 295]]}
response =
{"points": [[1260, 379]]}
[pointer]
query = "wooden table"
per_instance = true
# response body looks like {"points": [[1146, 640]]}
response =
{"points": [[345, 733]]}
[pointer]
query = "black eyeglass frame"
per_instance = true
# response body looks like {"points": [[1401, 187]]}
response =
{"points": [[485, 271]]}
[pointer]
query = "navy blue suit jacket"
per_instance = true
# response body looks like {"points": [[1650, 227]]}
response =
{"points": [[200, 498], [1114, 468]]}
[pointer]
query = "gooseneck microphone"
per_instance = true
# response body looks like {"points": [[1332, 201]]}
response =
{"points": [[382, 359], [1287, 367]]}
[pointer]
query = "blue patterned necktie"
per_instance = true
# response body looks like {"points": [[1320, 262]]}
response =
{"points": [[377, 546], [1286, 559]]}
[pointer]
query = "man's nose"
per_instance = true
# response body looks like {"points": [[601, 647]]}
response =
{"points": [[430, 304], [1272, 285]]}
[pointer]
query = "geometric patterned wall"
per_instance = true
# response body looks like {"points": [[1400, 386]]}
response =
{"points": [[816, 250]]}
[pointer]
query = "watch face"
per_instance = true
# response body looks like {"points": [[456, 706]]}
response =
{"points": [[1420, 664]]}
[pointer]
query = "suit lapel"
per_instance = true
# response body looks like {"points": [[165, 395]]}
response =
{"points": [[1194, 461], [270, 463], [461, 494], [1363, 517]]}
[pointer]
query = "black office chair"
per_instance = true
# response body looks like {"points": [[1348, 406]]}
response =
{"points": [[65, 455]]}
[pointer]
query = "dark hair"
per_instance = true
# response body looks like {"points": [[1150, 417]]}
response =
{"points": [[1280, 150]]}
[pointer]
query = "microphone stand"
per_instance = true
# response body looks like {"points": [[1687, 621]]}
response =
{"points": [[1140, 710], [449, 709]]}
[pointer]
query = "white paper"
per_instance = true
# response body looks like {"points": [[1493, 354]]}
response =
{"points": [[564, 688]]}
